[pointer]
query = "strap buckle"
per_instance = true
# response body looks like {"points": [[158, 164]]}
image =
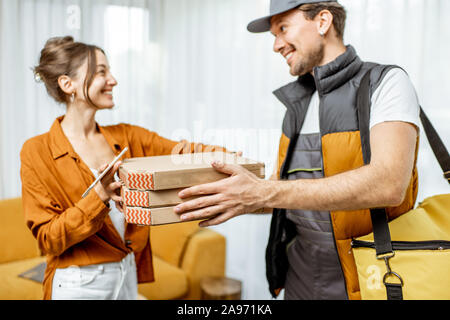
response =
{"points": [[389, 272], [392, 273], [385, 256], [447, 175]]}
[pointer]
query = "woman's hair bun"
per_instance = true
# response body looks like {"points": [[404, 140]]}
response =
{"points": [[57, 42]]}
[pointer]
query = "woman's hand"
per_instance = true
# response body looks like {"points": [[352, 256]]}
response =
{"points": [[107, 188]]}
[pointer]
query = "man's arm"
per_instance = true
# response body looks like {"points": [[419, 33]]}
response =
{"points": [[382, 183]]}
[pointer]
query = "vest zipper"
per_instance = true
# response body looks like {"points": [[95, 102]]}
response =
{"points": [[407, 245]]}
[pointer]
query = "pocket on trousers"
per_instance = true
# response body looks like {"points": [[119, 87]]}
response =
{"points": [[75, 277]]}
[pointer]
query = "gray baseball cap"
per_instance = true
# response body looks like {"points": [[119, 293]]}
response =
{"points": [[277, 7]]}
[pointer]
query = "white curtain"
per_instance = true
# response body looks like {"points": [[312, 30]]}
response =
{"points": [[188, 69]]}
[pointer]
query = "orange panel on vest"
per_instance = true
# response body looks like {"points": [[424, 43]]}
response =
{"points": [[341, 152], [282, 151]]}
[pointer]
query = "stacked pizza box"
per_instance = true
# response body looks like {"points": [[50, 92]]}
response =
{"points": [[151, 184]]}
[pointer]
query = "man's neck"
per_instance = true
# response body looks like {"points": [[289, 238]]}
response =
{"points": [[332, 51]]}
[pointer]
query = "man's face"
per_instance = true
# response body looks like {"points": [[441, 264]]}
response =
{"points": [[298, 41]]}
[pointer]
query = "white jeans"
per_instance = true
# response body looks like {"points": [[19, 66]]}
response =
{"points": [[106, 281]]}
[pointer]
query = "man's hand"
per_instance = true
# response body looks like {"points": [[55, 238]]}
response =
{"points": [[222, 200]]}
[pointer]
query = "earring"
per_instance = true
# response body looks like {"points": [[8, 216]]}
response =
{"points": [[321, 33], [72, 97]]}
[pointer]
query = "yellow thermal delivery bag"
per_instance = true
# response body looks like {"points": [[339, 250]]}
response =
{"points": [[421, 260]]}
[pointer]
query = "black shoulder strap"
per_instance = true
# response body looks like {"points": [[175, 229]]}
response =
{"points": [[379, 218], [382, 237], [436, 144]]}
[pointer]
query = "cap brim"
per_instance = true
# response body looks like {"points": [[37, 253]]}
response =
{"points": [[260, 25]]}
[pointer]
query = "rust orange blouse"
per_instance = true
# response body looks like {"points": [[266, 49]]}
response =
{"points": [[75, 231]]}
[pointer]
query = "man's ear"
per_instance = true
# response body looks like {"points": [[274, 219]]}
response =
{"points": [[66, 85], [324, 22]]}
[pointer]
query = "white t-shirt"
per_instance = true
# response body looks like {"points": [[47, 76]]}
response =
{"points": [[395, 99]]}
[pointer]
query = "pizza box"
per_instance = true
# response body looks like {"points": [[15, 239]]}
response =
{"points": [[150, 216], [152, 199], [180, 170]]}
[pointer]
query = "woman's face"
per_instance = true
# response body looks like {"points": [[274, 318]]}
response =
{"points": [[101, 89]]}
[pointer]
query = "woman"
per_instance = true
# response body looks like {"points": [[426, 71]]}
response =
{"points": [[92, 253]]}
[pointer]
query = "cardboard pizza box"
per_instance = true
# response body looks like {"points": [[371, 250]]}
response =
{"points": [[150, 216], [152, 199], [159, 216], [180, 170]]}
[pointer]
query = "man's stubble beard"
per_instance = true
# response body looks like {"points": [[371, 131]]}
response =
{"points": [[313, 59]]}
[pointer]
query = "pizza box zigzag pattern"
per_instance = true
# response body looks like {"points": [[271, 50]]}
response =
{"points": [[143, 181], [136, 198], [138, 216]]}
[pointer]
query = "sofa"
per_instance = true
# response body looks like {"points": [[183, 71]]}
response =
{"points": [[183, 253]]}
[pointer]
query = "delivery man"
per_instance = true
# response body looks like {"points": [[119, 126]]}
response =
{"points": [[323, 189]]}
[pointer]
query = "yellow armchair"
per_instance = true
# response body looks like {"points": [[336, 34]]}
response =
{"points": [[183, 253], [18, 253]]}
